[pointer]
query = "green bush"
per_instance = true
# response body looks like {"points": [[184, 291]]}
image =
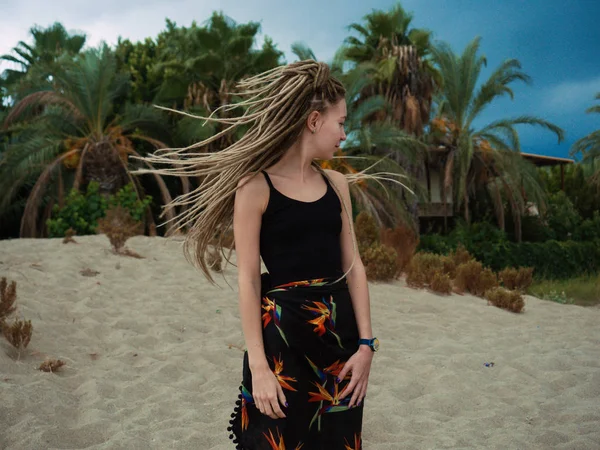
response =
{"points": [[551, 259], [562, 217], [589, 229], [82, 211]]}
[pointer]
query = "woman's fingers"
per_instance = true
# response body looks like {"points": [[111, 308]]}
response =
{"points": [[281, 397], [277, 412], [269, 410], [355, 394], [350, 387]]}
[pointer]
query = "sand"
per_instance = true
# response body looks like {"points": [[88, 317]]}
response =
{"points": [[154, 356]]}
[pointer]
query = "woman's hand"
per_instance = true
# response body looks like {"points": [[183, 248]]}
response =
{"points": [[360, 366], [267, 393]]}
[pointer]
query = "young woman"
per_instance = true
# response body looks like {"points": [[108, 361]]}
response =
{"points": [[306, 321]]}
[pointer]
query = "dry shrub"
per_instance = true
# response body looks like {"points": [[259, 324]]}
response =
{"points": [[516, 279], [380, 262], [467, 276], [87, 272], [423, 267], [51, 365], [441, 283], [505, 299], [366, 232], [472, 277], [18, 334], [8, 297], [487, 280], [404, 241], [69, 236], [461, 256], [415, 278], [448, 266], [214, 259], [118, 225]]}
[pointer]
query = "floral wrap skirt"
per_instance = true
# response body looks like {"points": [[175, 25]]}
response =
{"points": [[309, 332]]}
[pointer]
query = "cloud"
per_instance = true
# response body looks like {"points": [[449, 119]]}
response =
{"points": [[570, 96]]}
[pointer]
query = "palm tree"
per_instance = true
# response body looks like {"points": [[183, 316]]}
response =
{"points": [[398, 60], [485, 155], [200, 65], [402, 73], [70, 134], [589, 147], [39, 61]]}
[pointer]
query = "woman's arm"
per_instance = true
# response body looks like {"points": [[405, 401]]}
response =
{"points": [[359, 363], [357, 277], [247, 217], [250, 202]]}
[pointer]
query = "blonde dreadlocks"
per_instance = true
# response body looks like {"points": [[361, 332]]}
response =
{"points": [[278, 104]]}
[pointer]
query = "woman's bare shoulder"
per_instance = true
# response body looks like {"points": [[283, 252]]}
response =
{"points": [[337, 177], [253, 188]]}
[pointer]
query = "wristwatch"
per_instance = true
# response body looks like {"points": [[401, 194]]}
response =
{"points": [[372, 343]]}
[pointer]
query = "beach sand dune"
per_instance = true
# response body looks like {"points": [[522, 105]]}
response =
{"points": [[154, 357]]}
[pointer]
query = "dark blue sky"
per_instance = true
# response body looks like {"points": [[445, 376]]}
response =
{"points": [[556, 41], [558, 45]]}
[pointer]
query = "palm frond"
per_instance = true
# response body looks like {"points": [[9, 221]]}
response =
{"points": [[302, 51]]}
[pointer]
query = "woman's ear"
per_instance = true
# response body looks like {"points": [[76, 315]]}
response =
{"points": [[312, 122]]}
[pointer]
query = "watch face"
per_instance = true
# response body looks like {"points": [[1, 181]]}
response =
{"points": [[376, 344]]}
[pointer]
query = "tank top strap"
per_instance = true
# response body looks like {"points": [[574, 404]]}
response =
{"points": [[268, 180], [326, 180]]}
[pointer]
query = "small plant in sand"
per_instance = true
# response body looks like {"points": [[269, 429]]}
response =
{"points": [[461, 256], [516, 279], [487, 280], [422, 268], [441, 283], [69, 236], [118, 225], [467, 276], [51, 365], [404, 241], [19, 333], [505, 299], [8, 297], [380, 262]]}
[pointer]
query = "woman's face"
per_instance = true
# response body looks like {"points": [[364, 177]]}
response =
{"points": [[330, 131]]}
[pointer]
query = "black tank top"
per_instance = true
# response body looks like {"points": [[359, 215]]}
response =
{"points": [[301, 240]]}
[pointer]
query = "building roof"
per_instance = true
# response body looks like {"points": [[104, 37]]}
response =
{"points": [[540, 160]]}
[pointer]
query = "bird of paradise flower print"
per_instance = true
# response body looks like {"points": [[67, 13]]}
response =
{"points": [[334, 369], [335, 403], [293, 284], [246, 398], [325, 320], [330, 401], [283, 379], [278, 444], [356, 445], [272, 312]]}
